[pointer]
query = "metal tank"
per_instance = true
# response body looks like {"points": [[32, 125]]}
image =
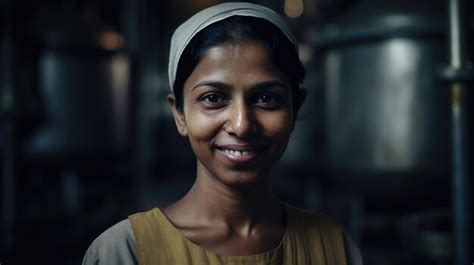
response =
{"points": [[386, 111], [83, 77]]}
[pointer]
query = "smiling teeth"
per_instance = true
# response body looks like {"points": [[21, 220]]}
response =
{"points": [[236, 153]]}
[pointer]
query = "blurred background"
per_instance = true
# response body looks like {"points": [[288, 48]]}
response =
{"points": [[383, 142]]}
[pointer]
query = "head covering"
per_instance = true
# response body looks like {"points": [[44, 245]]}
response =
{"points": [[184, 33]]}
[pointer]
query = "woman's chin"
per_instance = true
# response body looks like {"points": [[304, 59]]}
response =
{"points": [[239, 180]]}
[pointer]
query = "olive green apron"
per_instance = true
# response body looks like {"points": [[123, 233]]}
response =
{"points": [[309, 239]]}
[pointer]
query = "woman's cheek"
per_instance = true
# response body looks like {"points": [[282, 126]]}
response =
{"points": [[279, 124], [202, 126]]}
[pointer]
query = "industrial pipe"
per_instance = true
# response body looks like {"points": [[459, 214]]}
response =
{"points": [[459, 74]]}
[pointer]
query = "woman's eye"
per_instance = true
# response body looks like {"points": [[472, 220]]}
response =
{"points": [[268, 101], [214, 99], [265, 99]]}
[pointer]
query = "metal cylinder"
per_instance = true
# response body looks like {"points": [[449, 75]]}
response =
{"points": [[386, 114], [86, 103], [83, 82]]}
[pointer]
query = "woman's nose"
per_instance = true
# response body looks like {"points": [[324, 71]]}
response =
{"points": [[241, 120]]}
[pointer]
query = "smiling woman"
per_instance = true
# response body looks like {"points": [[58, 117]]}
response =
{"points": [[237, 116], [235, 78]]}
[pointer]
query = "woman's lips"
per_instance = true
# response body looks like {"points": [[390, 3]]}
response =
{"points": [[239, 153]]}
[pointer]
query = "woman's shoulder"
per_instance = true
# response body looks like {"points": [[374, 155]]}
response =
{"points": [[312, 222], [308, 219], [114, 246]]}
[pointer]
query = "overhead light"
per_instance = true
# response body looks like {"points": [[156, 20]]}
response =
{"points": [[294, 8], [110, 40]]}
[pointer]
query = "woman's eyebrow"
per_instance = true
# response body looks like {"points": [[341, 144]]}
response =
{"points": [[269, 84], [224, 86], [216, 84]]}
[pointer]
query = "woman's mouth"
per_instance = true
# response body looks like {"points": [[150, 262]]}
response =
{"points": [[239, 154]]}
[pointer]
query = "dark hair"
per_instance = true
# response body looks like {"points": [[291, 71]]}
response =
{"points": [[239, 28]]}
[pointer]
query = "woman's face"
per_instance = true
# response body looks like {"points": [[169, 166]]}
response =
{"points": [[237, 113]]}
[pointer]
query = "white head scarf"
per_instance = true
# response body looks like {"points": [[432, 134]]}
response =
{"points": [[184, 33]]}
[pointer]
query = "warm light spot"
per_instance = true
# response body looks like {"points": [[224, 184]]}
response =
{"points": [[294, 8], [305, 52], [110, 40]]}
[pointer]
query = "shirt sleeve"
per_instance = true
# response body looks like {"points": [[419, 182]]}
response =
{"points": [[116, 246], [354, 256]]}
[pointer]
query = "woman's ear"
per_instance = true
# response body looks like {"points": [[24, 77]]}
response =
{"points": [[300, 97], [298, 100], [178, 116]]}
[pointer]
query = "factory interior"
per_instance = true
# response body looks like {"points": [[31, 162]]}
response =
{"points": [[383, 143]]}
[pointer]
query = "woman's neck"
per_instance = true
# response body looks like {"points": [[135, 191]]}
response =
{"points": [[240, 209]]}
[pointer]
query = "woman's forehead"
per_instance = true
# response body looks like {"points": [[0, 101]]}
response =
{"points": [[239, 64]]}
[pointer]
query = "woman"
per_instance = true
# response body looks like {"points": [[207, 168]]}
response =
{"points": [[235, 78]]}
